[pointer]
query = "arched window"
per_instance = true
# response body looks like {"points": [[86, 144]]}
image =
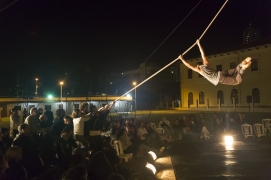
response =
{"points": [[256, 95], [190, 98], [201, 98], [234, 94], [220, 95]]}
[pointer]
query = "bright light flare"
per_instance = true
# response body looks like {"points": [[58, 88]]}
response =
{"points": [[50, 96], [128, 95], [153, 155], [151, 167], [228, 140]]}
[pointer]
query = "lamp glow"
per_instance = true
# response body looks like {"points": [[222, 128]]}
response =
{"points": [[128, 95], [151, 167], [228, 140], [153, 155], [50, 96]]}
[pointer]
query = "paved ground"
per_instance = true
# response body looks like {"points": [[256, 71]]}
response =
{"points": [[245, 159]]}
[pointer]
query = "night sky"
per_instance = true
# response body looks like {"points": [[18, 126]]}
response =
{"points": [[48, 39]]}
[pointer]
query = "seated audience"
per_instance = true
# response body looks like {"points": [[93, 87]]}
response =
{"points": [[177, 129], [165, 124]]}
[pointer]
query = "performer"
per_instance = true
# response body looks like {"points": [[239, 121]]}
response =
{"points": [[228, 77]]}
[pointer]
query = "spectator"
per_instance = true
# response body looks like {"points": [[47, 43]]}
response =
{"points": [[188, 134], [115, 128], [58, 124], [205, 134], [34, 123], [40, 111], [79, 172], [233, 127], [218, 129], [126, 123], [78, 125], [15, 121], [128, 146], [193, 122], [165, 124], [99, 167], [142, 133], [68, 121], [16, 170], [49, 115], [5, 137], [84, 108], [107, 124], [51, 173], [177, 129], [96, 123], [3, 166], [64, 147], [30, 157]]}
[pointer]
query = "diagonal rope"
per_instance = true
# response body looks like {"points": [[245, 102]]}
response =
{"points": [[162, 43], [176, 58]]}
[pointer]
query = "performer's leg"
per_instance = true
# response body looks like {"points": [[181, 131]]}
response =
{"points": [[234, 76]]}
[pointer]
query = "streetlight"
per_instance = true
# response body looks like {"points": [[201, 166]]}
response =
{"points": [[36, 86], [134, 83], [61, 84]]}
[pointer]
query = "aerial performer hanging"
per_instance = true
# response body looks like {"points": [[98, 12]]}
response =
{"points": [[228, 77]]}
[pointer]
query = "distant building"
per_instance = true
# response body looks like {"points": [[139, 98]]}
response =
{"points": [[68, 103], [164, 86], [253, 92], [251, 34]]}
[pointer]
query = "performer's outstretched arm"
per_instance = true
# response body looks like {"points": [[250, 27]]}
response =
{"points": [[188, 65], [204, 58]]}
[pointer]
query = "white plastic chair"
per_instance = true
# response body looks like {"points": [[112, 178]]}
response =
{"points": [[120, 153], [247, 130], [160, 130], [259, 130], [266, 125], [153, 126]]}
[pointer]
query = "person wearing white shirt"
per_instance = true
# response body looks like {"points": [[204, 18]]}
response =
{"points": [[78, 125]]}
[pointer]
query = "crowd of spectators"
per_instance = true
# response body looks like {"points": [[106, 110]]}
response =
{"points": [[192, 128], [42, 147]]}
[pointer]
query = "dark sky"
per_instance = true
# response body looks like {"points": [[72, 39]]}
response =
{"points": [[47, 39]]}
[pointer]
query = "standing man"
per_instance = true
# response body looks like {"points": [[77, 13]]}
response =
{"points": [[34, 123], [96, 123], [228, 77], [14, 122]]}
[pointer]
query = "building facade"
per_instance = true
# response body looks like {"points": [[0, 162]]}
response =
{"points": [[252, 93], [124, 104]]}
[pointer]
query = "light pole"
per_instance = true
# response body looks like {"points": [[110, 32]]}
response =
{"points": [[134, 83], [61, 84], [36, 86]]}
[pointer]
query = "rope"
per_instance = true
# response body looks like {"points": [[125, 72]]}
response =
{"points": [[161, 43], [176, 58]]}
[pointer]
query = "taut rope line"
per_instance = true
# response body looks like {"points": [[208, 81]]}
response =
{"points": [[176, 58]]}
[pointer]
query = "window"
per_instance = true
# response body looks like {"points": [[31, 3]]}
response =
{"points": [[233, 65], [254, 65], [219, 67], [190, 98], [234, 94], [220, 95], [189, 73], [256, 95], [201, 98]]}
